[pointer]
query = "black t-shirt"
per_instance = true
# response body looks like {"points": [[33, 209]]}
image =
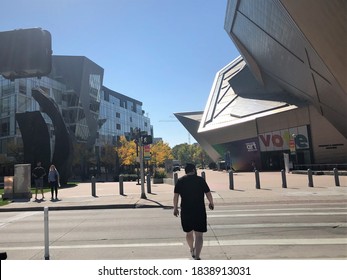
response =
{"points": [[192, 189], [39, 172]]}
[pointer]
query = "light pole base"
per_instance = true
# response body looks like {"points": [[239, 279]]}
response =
{"points": [[143, 196]]}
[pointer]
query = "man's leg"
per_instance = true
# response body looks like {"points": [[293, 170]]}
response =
{"points": [[190, 240], [41, 185], [198, 243]]}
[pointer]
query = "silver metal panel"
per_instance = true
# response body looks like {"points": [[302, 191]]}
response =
{"points": [[280, 40]]}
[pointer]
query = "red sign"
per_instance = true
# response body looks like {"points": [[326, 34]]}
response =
{"points": [[147, 152]]}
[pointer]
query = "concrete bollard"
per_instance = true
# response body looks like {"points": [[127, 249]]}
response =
{"points": [[336, 175], [284, 179], [149, 190], [46, 232], [93, 186], [231, 180], [257, 179], [175, 178], [203, 175], [310, 178], [121, 187]]}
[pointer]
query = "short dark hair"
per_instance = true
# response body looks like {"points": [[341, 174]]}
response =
{"points": [[189, 168]]}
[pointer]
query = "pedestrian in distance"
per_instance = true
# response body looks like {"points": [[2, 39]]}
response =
{"points": [[192, 189], [54, 181], [38, 174]]}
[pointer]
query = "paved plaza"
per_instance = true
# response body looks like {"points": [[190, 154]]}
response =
{"points": [[107, 194]]}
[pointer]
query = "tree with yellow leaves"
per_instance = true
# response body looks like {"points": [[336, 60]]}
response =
{"points": [[160, 152], [126, 151]]}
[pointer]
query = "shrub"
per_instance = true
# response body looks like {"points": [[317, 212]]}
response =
{"points": [[159, 173]]}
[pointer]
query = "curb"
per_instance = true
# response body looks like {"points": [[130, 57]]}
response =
{"points": [[85, 207]]}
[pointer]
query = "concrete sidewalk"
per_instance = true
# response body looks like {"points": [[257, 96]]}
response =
{"points": [[107, 194]]}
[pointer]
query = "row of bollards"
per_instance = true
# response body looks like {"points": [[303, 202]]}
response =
{"points": [[121, 184], [283, 176], [231, 180]]}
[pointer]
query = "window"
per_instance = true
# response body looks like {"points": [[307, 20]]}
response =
{"points": [[5, 127], [118, 126]]}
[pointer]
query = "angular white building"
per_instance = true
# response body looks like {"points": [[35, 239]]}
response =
{"points": [[287, 94]]}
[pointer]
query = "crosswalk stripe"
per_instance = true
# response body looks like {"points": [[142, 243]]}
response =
{"points": [[277, 214], [89, 246], [254, 242], [279, 225], [208, 243], [279, 209]]}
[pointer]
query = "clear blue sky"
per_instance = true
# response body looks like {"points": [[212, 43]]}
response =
{"points": [[164, 53]]}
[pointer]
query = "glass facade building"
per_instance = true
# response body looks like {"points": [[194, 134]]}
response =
{"points": [[93, 113], [120, 115]]}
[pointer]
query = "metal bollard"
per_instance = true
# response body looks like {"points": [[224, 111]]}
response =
{"points": [[149, 190], [231, 180], [257, 179], [121, 187], [336, 175], [93, 186], [3, 255], [284, 179], [46, 232], [175, 178], [310, 178], [203, 175]]}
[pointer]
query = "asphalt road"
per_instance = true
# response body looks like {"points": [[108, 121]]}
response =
{"points": [[262, 230]]}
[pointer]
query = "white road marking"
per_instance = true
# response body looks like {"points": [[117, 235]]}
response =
{"points": [[211, 243], [279, 225], [17, 217], [278, 214], [278, 209], [255, 242]]}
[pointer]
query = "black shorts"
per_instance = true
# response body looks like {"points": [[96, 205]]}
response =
{"points": [[194, 222]]}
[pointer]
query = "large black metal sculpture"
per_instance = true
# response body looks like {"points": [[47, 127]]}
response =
{"points": [[35, 138], [35, 143]]}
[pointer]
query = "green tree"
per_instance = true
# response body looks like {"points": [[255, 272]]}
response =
{"points": [[182, 152], [191, 153], [83, 158], [16, 151], [108, 158]]}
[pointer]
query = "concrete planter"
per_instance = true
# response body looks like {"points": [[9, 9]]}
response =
{"points": [[158, 180]]}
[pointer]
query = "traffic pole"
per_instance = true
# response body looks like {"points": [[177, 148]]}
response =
{"points": [[143, 194]]}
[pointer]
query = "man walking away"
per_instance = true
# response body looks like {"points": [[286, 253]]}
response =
{"points": [[192, 190]]}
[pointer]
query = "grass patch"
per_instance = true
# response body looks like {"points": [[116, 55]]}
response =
{"points": [[45, 190]]}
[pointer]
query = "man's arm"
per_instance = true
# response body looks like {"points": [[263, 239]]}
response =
{"points": [[175, 204], [210, 200]]}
